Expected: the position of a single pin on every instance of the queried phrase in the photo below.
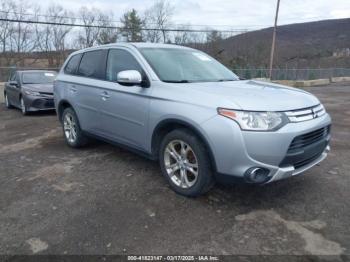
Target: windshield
(38, 77)
(186, 65)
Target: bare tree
(53, 37)
(6, 27)
(106, 35)
(23, 39)
(159, 17)
(89, 35)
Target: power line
(119, 21)
(118, 27)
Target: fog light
(257, 175)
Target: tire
(191, 155)
(7, 102)
(71, 129)
(23, 107)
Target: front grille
(306, 161)
(302, 141)
(306, 148)
(306, 113)
(46, 94)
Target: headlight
(32, 93)
(255, 121)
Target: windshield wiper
(176, 81)
(224, 80)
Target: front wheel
(7, 102)
(71, 129)
(23, 107)
(185, 163)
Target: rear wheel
(7, 102)
(185, 163)
(71, 129)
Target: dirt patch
(315, 243)
(29, 143)
(59, 169)
(36, 245)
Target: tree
(89, 35)
(106, 35)
(53, 37)
(159, 17)
(132, 25)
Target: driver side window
(13, 77)
(120, 60)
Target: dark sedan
(30, 90)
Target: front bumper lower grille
(305, 148)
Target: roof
(133, 45)
(35, 71)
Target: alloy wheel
(181, 164)
(7, 103)
(23, 107)
(70, 128)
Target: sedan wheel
(23, 107)
(70, 128)
(7, 102)
(181, 164)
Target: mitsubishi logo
(314, 114)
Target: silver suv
(182, 107)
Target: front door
(125, 109)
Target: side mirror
(129, 77)
(13, 83)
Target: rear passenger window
(120, 60)
(72, 65)
(93, 64)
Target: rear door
(84, 91)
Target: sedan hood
(256, 95)
(45, 88)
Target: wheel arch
(63, 104)
(168, 125)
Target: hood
(46, 88)
(256, 95)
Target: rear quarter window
(72, 65)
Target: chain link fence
(293, 74)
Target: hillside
(315, 44)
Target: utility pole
(274, 39)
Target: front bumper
(37, 103)
(236, 151)
(285, 172)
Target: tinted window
(93, 64)
(72, 65)
(120, 60)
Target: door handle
(105, 95)
(73, 89)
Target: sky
(225, 14)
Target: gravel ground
(105, 200)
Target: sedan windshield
(177, 65)
(38, 77)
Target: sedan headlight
(32, 93)
(255, 121)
